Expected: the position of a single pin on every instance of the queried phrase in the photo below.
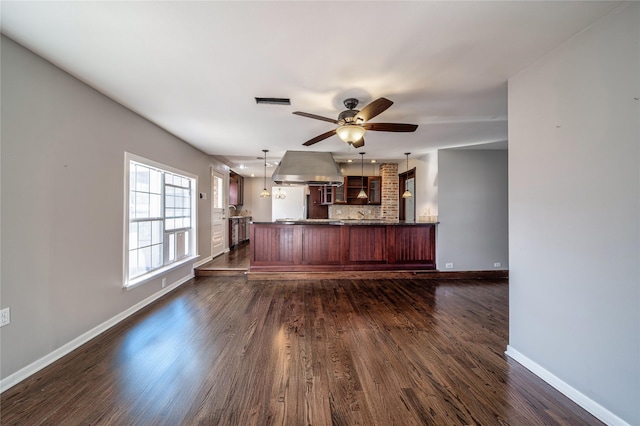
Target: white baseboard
(63, 350)
(569, 391)
(202, 262)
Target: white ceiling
(194, 68)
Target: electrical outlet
(497, 265)
(164, 282)
(448, 265)
(5, 317)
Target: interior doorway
(407, 206)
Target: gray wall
(574, 207)
(472, 210)
(63, 147)
(260, 208)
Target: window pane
(132, 177)
(156, 232)
(132, 205)
(133, 236)
(144, 259)
(155, 183)
(142, 178)
(142, 205)
(155, 205)
(156, 254)
(172, 247)
(217, 192)
(144, 234)
(186, 243)
(133, 263)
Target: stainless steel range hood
(308, 168)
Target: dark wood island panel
(342, 246)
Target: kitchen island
(319, 245)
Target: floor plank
(232, 351)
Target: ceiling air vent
(274, 101)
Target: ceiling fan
(353, 123)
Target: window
(160, 230)
(218, 192)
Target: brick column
(389, 205)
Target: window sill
(157, 273)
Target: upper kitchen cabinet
(371, 184)
(236, 189)
(375, 189)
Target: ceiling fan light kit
(350, 133)
(353, 123)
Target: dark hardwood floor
(229, 351)
(232, 263)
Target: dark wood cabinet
(318, 208)
(348, 193)
(236, 189)
(371, 184)
(339, 196)
(327, 194)
(327, 247)
(375, 189)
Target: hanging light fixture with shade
(265, 193)
(279, 194)
(350, 133)
(407, 193)
(362, 193)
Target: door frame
(218, 215)
(402, 186)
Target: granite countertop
(342, 222)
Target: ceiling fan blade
(373, 109)
(317, 117)
(320, 138)
(390, 127)
(359, 143)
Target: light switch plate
(5, 317)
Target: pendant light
(362, 193)
(407, 193)
(265, 193)
(279, 194)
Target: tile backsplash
(342, 211)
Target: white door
(218, 218)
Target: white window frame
(192, 230)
